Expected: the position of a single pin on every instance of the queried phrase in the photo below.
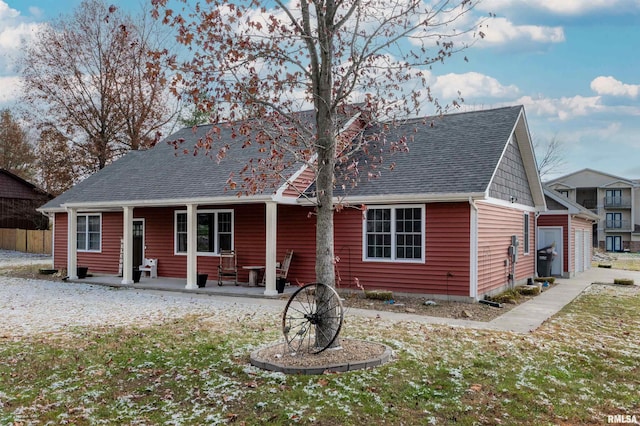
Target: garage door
(579, 250)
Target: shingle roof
(456, 153)
(449, 154)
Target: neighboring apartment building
(615, 199)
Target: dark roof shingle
(455, 153)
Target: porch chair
(282, 269)
(228, 266)
(150, 266)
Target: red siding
(446, 251)
(60, 241)
(105, 261)
(249, 236)
(446, 270)
(297, 232)
(496, 225)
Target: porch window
(89, 232)
(526, 234)
(394, 233)
(214, 231)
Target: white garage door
(579, 248)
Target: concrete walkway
(526, 317)
(523, 318)
(530, 315)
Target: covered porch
(177, 285)
(117, 223)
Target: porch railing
(617, 225)
(617, 202)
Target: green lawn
(579, 367)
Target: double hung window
(89, 232)
(394, 233)
(214, 231)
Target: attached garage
(570, 227)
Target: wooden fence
(27, 241)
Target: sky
(573, 64)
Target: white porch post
(127, 246)
(271, 244)
(192, 246)
(72, 243)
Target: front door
(138, 242)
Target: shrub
(507, 296)
(623, 281)
(550, 280)
(528, 290)
(378, 294)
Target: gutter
(117, 205)
(400, 198)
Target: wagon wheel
(312, 319)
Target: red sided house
(567, 226)
(455, 218)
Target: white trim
(400, 198)
(72, 244)
(393, 208)
(473, 251)
(127, 246)
(515, 206)
(204, 211)
(271, 243)
(87, 214)
(192, 244)
(169, 202)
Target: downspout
(473, 251)
(535, 245)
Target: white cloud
(472, 85)
(612, 87)
(7, 13)
(502, 31)
(561, 7)
(11, 37)
(564, 108)
(36, 12)
(13, 32)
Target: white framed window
(525, 243)
(89, 232)
(214, 231)
(394, 233)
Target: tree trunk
(325, 267)
(326, 149)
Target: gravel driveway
(29, 306)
